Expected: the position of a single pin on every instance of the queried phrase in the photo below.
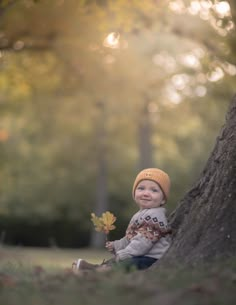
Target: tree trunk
(204, 223)
(145, 144)
(98, 238)
(101, 199)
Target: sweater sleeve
(123, 242)
(144, 233)
(120, 244)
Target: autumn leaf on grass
(105, 223)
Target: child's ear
(163, 202)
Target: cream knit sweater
(148, 234)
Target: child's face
(148, 194)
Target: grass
(48, 258)
(43, 277)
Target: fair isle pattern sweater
(148, 234)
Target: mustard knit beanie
(156, 175)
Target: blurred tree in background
(93, 91)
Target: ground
(43, 277)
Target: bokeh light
(112, 40)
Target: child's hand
(110, 246)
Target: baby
(147, 237)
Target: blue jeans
(137, 262)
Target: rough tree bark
(204, 223)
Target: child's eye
(155, 190)
(140, 188)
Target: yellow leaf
(97, 222)
(104, 223)
(108, 220)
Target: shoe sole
(78, 263)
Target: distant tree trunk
(101, 199)
(204, 222)
(97, 238)
(144, 135)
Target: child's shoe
(82, 264)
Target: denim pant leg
(138, 262)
